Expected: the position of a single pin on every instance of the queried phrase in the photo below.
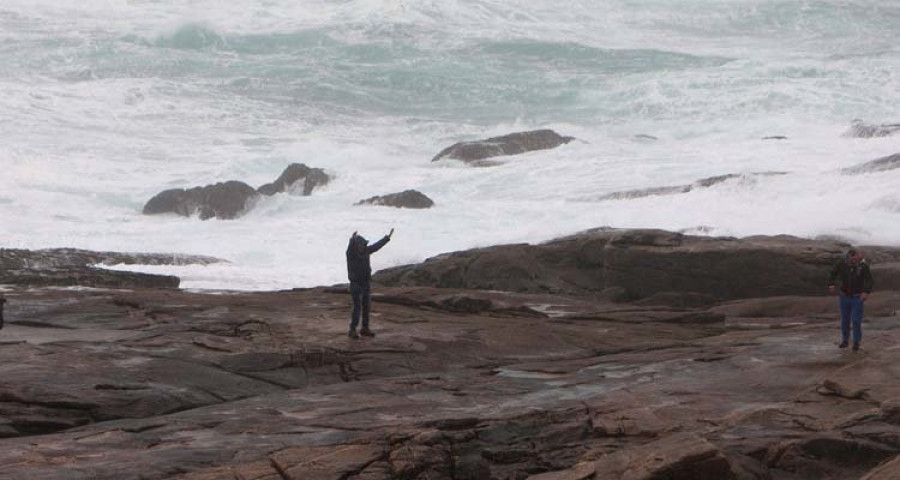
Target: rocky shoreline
(632, 354)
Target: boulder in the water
(225, 201)
(405, 199)
(512, 144)
(297, 177)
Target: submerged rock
(891, 162)
(226, 201)
(676, 189)
(512, 144)
(405, 199)
(643, 137)
(290, 178)
(860, 129)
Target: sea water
(104, 103)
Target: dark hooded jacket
(854, 279)
(359, 270)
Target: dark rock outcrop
(860, 129)
(891, 162)
(65, 267)
(13, 258)
(228, 200)
(294, 173)
(86, 277)
(642, 262)
(512, 144)
(677, 189)
(405, 199)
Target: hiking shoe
(855, 347)
(353, 334)
(843, 345)
(367, 333)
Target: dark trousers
(362, 300)
(851, 312)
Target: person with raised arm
(359, 272)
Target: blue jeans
(851, 311)
(362, 300)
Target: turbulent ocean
(104, 103)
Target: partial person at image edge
(856, 284)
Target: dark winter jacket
(359, 271)
(855, 279)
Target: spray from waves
(108, 105)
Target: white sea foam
(106, 103)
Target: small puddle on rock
(552, 311)
(504, 372)
(623, 371)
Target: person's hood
(358, 241)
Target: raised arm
(377, 245)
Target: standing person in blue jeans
(359, 271)
(856, 284)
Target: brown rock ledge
(458, 384)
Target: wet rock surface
(406, 199)
(458, 384)
(512, 144)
